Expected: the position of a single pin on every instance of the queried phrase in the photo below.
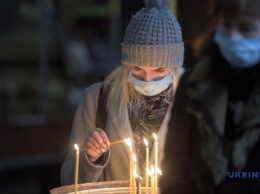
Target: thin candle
(76, 168)
(158, 171)
(111, 143)
(153, 181)
(134, 173)
(152, 184)
(116, 142)
(129, 143)
(147, 166)
(155, 159)
(151, 174)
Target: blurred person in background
(213, 141)
(138, 97)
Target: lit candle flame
(159, 171)
(146, 142)
(134, 158)
(152, 169)
(128, 142)
(76, 147)
(149, 172)
(155, 136)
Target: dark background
(50, 50)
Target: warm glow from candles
(128, 142)
(149, 172)
(159, 171)
(152, 169)
(134, 158)
(155, 136)
(76, 147)
(76, 168)
(146, 142)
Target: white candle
(158, 171)
(155, 159)
(147, 166)
(151, 173)
(76, 168)
(152, 184)
(134, 172)
(129, 143)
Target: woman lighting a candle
(139, 96)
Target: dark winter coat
(214, 131)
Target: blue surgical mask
(239, 53)
(150, 88)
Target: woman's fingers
(97, 143)
(105, 141)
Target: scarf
(147, 120)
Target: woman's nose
(148, 77)
(234, 34)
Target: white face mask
(150, 88)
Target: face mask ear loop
(174, 82)
(173, 76)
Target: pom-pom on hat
(153, 37)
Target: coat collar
(124, 130)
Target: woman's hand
(97, 144)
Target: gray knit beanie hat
(153, 37)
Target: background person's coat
(198, 153)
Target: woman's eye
(136, 68)
(247, 29)
(225, 23)
(160, 70)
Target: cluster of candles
(134, 179)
